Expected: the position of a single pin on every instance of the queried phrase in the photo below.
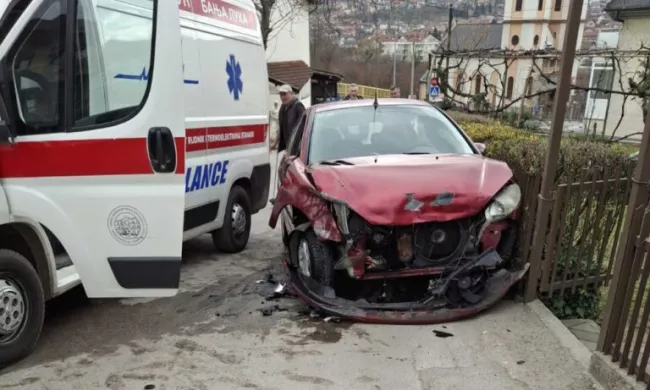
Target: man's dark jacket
(288, 118)
(347, 97)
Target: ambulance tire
(225, 239)
(17, 269)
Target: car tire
(321, 260)
(233, 237)
(19, 281)
(285, 234)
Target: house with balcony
(624, 118)
(407, 46)
(495, 58)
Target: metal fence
(627, 341)
(587, 213)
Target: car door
(293, 149)
(99, 151)
(292, 152)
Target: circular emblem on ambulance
(127, 225)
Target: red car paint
(297, 191)
(376, 187)
(492, 235)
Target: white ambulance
(115, 148)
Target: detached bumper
(411, 313)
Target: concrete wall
(633, 33)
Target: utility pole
(451, 19)
(412, 66)
(553, 151)
(395, 44)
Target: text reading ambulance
(115, 148)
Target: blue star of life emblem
(235, 83)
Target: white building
(405, 48)
(626, 120)
(287, 49)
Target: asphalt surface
(220, 332)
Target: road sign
(434, 91)
(434, 81)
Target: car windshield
(395, 129)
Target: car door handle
(162, 150)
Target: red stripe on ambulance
(84, 157)
(224, 137)
(220, 10)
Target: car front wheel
(314, 258)
(22, 307)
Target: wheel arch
(29, 242)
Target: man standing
(290, 112)
(353, 93)
(395, 92)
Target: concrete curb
(563, 334)
(609, 375)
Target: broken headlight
(342, 215)
(504, 204)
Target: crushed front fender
(406, 313)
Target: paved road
(213, 336)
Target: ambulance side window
(38, 68)
(113, 60)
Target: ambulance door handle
(162, 150)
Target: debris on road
(441, 334)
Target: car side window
(296, 137)
(38, 71)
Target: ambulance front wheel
(22, 307)
(236, 230)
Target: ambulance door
(95, 93)
(197, 198)
(5, 138)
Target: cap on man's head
(284, 89)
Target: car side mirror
(480, 146)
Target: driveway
(220, 333)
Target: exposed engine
(421, 245)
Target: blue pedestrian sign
(434, 91)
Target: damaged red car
(391, 214)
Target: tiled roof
(293, 73)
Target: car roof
(367, 103)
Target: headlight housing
(504, 204)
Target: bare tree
(275, 14)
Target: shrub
(526, 151)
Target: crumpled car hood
(376, 188)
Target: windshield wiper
(335, 162)
(417, 153)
